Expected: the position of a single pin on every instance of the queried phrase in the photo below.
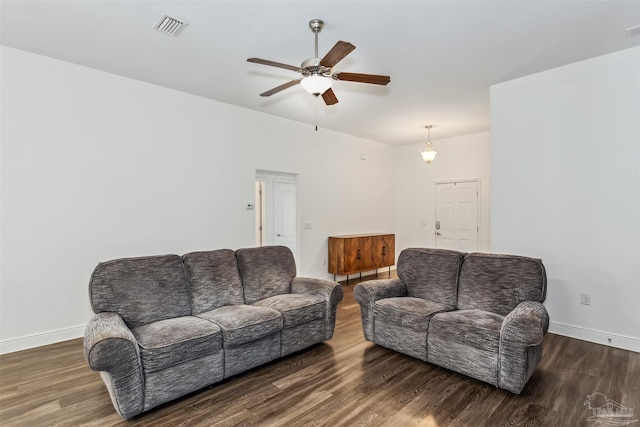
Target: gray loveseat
(477, 314)
(168, 325)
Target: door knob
(279, 235)
(438, 233)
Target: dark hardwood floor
(346, 381)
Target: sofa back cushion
(214, 280)
(498, 283)
(141, 290)
(431, 274)
(266, 271)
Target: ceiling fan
(317, 74)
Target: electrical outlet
(324, 261)
(585, 299)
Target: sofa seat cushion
(296, 309)
(409, 312)
(241, 324)
(168, 342)
(472, 328)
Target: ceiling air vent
(169, 25)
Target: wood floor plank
(346, 381)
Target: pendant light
(428, 154)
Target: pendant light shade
(315, 84)
(428, 154)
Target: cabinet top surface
(348, 236)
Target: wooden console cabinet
(356, 253)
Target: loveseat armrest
(110, 347)
(520, 349)
(529, 320)
(328, 290)
(367, 293)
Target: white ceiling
(442, 56)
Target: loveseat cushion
(498, 283)
(473, 328)
(466, 341)
(241, 324)
(409, 312)
(141, 290)
(295, 309)
(171, 341)
(213, 279)
(266, 271)
(431, 274)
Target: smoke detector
(169, 25)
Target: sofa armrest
(367, 293)
(110, 347)
(520, 349)
(527, 323)
(328, 290)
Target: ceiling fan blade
(329, 97)
(363, 78)
(337, 54)
(281, 87)
(273, 64)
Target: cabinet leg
(389, 272)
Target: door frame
(272, 176)
(478, 208)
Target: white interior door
(277, 213)
(457, 216)
(285, 214)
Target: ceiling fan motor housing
(312, 66)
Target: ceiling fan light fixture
(315, 84)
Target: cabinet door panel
(336, 255)
(383, 250)
(351, 254)
(389, 250)
(365, 261)
(377, 245)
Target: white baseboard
(598, 337)
(44, 338)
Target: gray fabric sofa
(165, 326)
(477, 314)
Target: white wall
(565, 159)
(460, 158)
(95, 166)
